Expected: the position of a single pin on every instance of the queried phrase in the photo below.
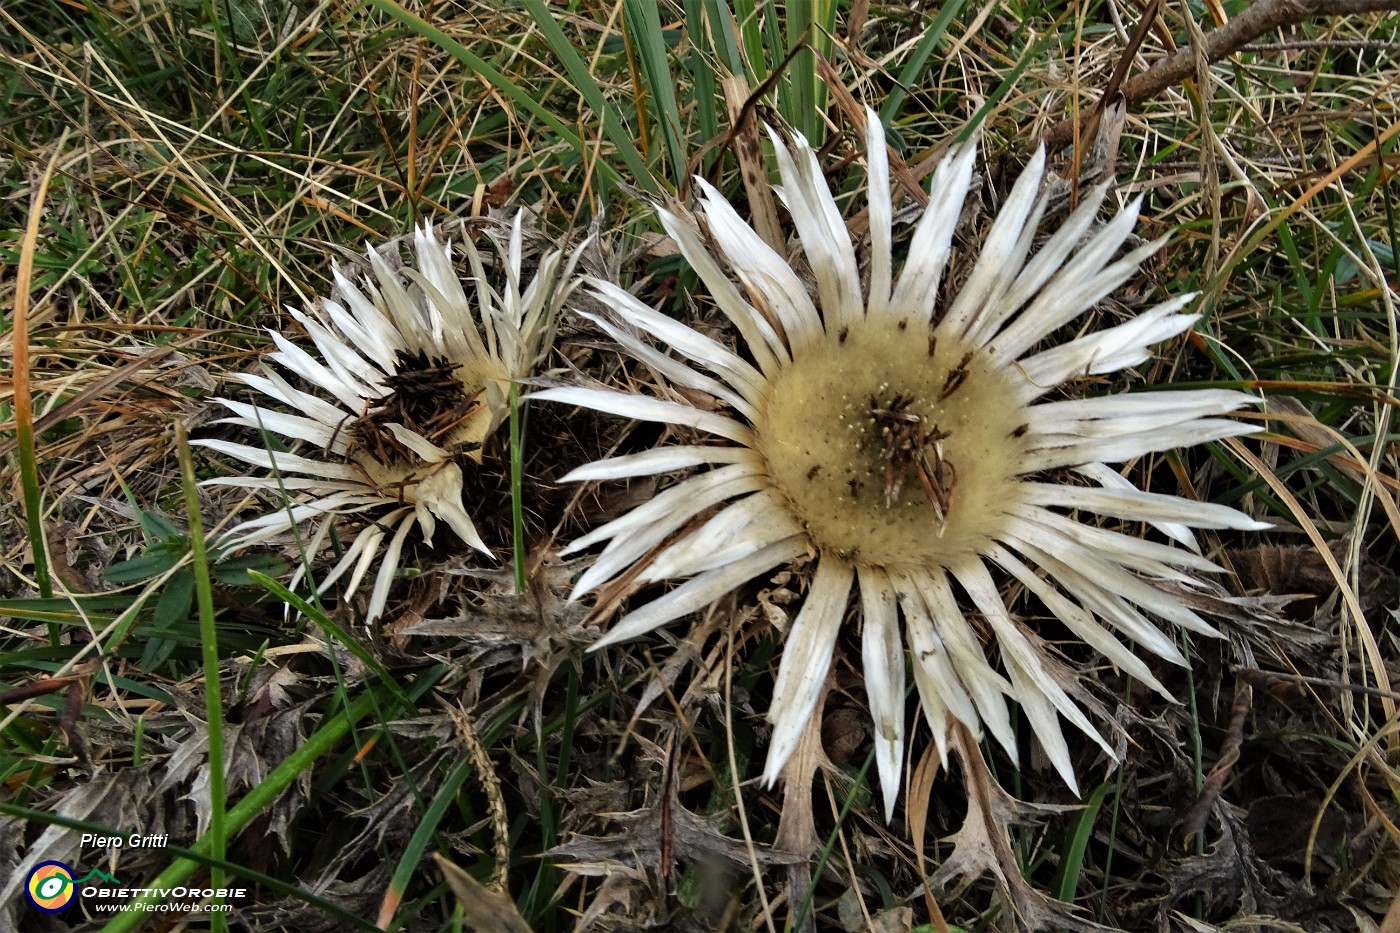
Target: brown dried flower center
(430, 397)
(427, 397)
(894, 450)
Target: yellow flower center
(894, 447)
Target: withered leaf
(1302, 572)
(484, 909)
(982, 846)
(639, 843)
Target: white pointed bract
(908, 446)
(411, 375)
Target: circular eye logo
(50, 887)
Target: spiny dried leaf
(627, 895)
(485, 910)
(1226, 876)
(271, 688)
(359, 895)
(982, 846)
(251, 750)
(639, 841)
(711, 674)
(596, 797)
(519, 623)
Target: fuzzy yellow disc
(894, 446)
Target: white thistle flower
(908, 447)
(411, 374)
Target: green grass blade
(699, 62)
(808, 22)
(857, 786)
(1072, 858)
(751, 36)
(1033, 54)
(914, 66)
(521, 97)
(23, 402)
(423, 835)
(643, 21)
(577, 69)
(720, 37)
(213, 693)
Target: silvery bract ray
(911, 448)
(410, 375)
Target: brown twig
(1262, 17)
(745, 114)
(854, 112)
(1195, 821)
(1272, 681)
(1088, 124)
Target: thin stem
(23, 401)
(517, 473)
(213, 693)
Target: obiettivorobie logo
(51, 886)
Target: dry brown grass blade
(1363, 156)
(1088, 125)
(1349, 597)
(854, 112)
(1336, 460)
(1320, 436)
(484, 910)
(1278, 685)
(47, 685)
(19, 338)
(920, 793)
(743, 105)
(1368, 750)
(1374, 808)
(853, 893)
(123, 107)
(96, 643)
(88, 393)
(748, 149)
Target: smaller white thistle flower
(908, 447)
(417, 371)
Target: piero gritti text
(133, 841)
